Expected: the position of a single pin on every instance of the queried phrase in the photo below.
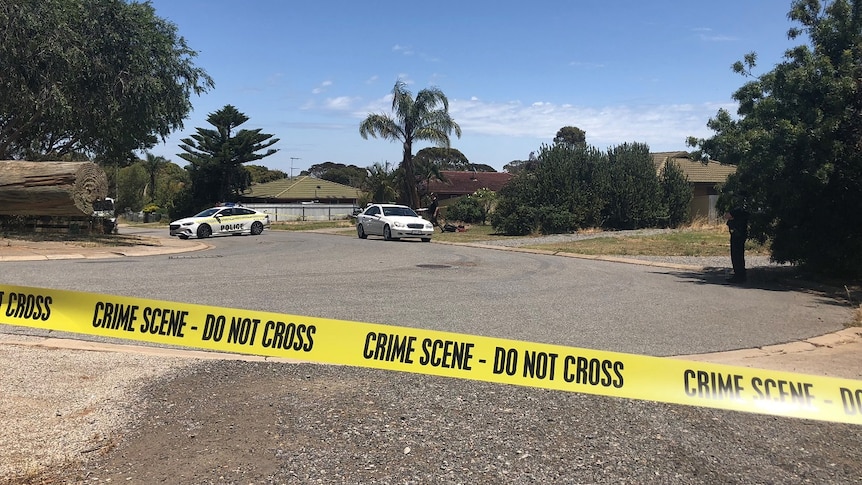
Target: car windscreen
(103, 205)
(207, 213)
(399, 211)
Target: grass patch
(472, 233)
(313, 225)
(694, 241)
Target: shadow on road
(785, 278)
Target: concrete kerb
(167, 246)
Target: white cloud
(705, 34)
(340, 103)
(586, 65)
(405, 50)
(322, 87)
(664, 127)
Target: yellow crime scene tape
(437, 353)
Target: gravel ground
(122, 417)
(247, 423)
(62, 406)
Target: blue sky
(514, 72)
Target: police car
(220, 221)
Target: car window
(372, 211)
(225, 213)
(399, 211)
(207, 213)
(241, 211)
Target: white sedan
(220, 221)
(393, 222)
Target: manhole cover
(433, 266)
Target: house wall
(292, 212)
(703, 203)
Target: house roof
(464, 183)
(301, 188)
(695, 170)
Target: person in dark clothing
(737, 223)
(433, 211)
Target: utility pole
(291, 165)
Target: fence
(304, 211)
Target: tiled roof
(464, 183)
(695, 170)
(301, 188)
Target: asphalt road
(245, 422)
(515, 295)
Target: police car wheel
(204, 231)
(360, 231)
(256, 228)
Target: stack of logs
(50, 190)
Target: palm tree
(426, 171)
(424, 118)
(380, 182)
(152, 165)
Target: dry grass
(313, 225)
(696, 240)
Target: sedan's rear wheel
(360, 231)
(204, 231)
(256, 228)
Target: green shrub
(466, 209)
(553, 220)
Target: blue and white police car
(220, 221)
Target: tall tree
(216, 156)
(677, 194)
(515, 166)
(261, 175)
(797, 142)
(443, 158)
(338, 172)
(424, 118)
(153, 164)
(571, 135)
(93, 78)
(636, 198)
